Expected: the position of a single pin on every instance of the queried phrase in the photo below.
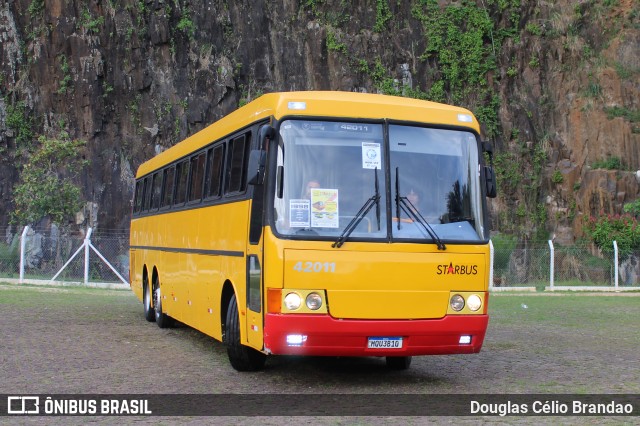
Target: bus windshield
(334, 181)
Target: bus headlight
(292, 301)
(474, 302)
(457, 302)
(314, 301)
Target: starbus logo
(452, 269)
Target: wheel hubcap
(157, 301)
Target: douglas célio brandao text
(575, 407)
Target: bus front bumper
(322, 335)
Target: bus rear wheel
(149, 312)
(241, 357)
(398, 362)
(163, 320)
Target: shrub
(611, 163)
(9, 255)
(633, 208)
(623, 229)
(557, 177)
(503, 246)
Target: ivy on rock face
(463, 42)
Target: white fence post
(23, 246)
(490, 264)
(87, 241)
(551, 264)
(86, 245)
(615, 266)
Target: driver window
(325, 177)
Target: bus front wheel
(241, 357)
(398, 362)
(149, 312)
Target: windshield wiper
(368, 205)
(398, 195)
(403, 204)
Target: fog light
(292, 301)
(474, 302)
(465, 340)
(314, 301)
(296, 339)
(457, 302)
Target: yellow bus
(320, 223)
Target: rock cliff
(555, 84)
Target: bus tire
(163, 320)
(149, 312)
(241, 357)
(398, 362)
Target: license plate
(384, 343)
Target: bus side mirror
(255, 171)
(489, 172)
(490, 182)
(258, 157)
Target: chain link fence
(103, 257)
(546, 265)
(53, 255)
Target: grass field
(614, 315)
(73, 340)
(617, 313)
(609, 312)
(98, 340)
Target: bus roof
(328, 104)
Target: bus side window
(167, 192)
(214, 180)
(182, 171)
(156, 190)
(147, 194)
(137, 203)
(238, 148)
(197, 176)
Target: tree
(46, 186)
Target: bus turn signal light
(274, 300)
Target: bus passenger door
(255, 260)
(254, 301)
